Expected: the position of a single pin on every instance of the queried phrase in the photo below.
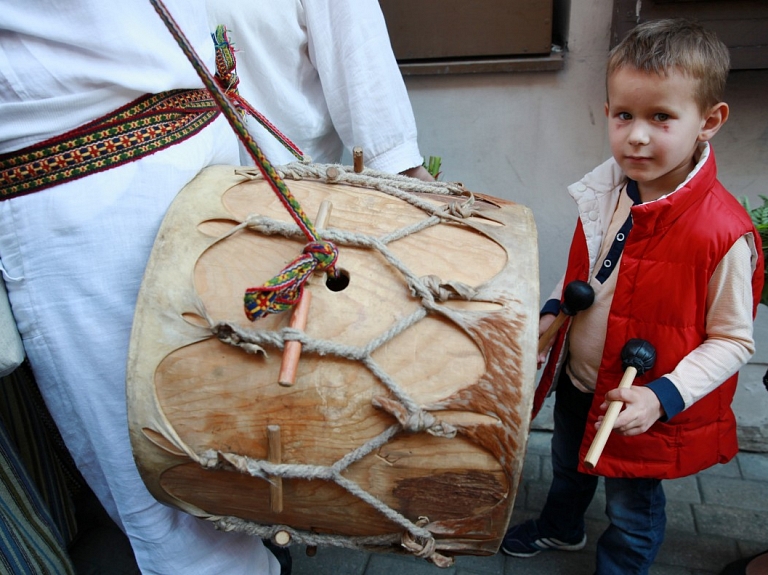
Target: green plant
(760, 219)
(433, 166)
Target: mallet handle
(601, 437)
(551, 331)
(292, 349)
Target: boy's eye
(624, 116)
(661, 117)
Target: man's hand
(420, 173)
(641, 410)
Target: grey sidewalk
(713, 518)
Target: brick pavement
(713, 518)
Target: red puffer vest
(669, 257)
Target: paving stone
(683, 489)
(734, 493)
(736, 523)
(536, 496)
(552, 563)
(545, 421)
(730, 469)
(521, 496)
(490, 565)
(601, 485)
(750, 548)
(754, 466)
(657, 569)
(680, 516)
(329, 561)
(691, 551)
(713, 518)
(595, 528)
(539, 443)
(546, 469)
(531, 468)
(391, 564)
(470, 571)
(596, 509)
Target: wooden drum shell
(470, 364)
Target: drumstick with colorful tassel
(292, 349)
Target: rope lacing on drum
(410, 416)
(284, 290)
(287, 286)
(401, 406)
(429, 289)
(417, 538)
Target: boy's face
(654, 126)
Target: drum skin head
(205, 416)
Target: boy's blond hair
(663, 45)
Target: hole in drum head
(338, 283)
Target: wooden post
(282, 538)
(292, 349)
(275, 455)
(357, 159)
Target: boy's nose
(638, 135)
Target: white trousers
(73, 257)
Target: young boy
(674, 260)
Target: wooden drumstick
(637, 357)
(357, 159)
(578, 296)
(292, 349)
(275, 455)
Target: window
(458, 36)
(742, 25)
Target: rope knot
(463, 210)
(424, 547)
(324, 253)
(415, 420)
(284, 290)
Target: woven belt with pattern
(146, 125)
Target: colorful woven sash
(146, 125)
(286, 288)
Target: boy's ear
(713, 121)
(607, 109)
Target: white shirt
(72, 256)
(65, 63)
(323, 72)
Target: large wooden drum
(406, 426)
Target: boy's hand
(545, 321)
(641, 410)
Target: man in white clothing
(324, 73)
(73, 250)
